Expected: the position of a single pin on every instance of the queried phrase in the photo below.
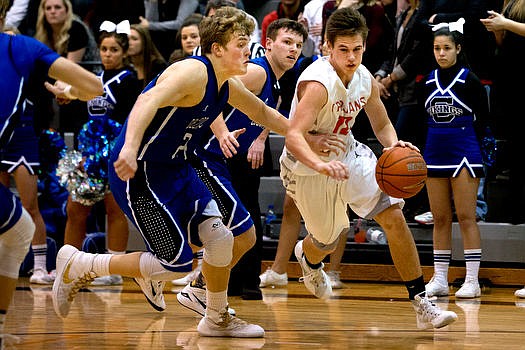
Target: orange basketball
(401, 172)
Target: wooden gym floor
(360, 316)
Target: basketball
(401, 172)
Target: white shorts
(322, 200)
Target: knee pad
(14, 245)
(151, 268)
(217, 241)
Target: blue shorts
(213, 171)
(10, 209)
(21, 150)
(166, 202)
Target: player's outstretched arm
(83, 84)
(173, 88)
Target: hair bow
(121, 28)
(453, 26)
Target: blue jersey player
(161, 193)
(19, 56)
(284, 44)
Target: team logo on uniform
(442, 109)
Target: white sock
(40, 255)
(114, 252)
(216, 302)
(441, 263)
(101, 264)
(472, 262)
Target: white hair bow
(453, 26)
(121, 28)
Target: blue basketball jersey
(235, 119)
(175, 132)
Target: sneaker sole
(189, 304)
(153, 305)
(66, 253)
(446, 321)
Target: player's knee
(14, 245)
(217, 241)
(326, 248)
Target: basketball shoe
(435, 288)
(520, 293)
(335, 279)
(74, 272)
(193, 297)
(272, 278)
(222, 324)
(41, 276)
(153, 292)
(315, 280)
(428, 315)
(425, 218)
(189, 277)
(469, 289)
(110, 280)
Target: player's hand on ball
(401, 143)
(335, 169)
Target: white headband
(121, 28)
(453, 26)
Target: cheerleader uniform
(455, 99)
(106, 113)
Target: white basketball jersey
(338, 115)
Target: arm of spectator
(186, 8)
(16, 13)
(497, 23)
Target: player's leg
(117, 232)
(334, 273)
(14, 245)
(290, 228)
(440, 199)
(77, 215)
(464, 188)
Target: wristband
(67, 93)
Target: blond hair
(220, 27)
(514, 10)
(44, 32)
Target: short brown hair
(345, 22)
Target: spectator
(188, 38)
(164, 18)
(508, 28)
(144, 55)
(409, 57)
